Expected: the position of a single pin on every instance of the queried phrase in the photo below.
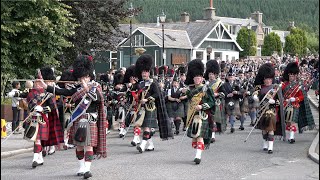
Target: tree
(296, 42)
(247, 40)
(271, 43)
(99, 26)
(33, 33)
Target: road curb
(15, 152)
(312, 150)
(313, 102)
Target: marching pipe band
(204, 100)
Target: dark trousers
(16, 117)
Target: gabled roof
(196, 30)
(172, 38)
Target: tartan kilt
(205, 131)
(56, 135)
(93, 133)
(315, 85)
(150, 119)
(220, 118)
(185, 108)
(244, 105)
(172, 112)
(43, 131)
(236, 109)
(267, 123)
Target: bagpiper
(215, 83)
(88, 121)
(151, 105)
(268, 114)
(201, 105)
(296, 104)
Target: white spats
(150, 146)
(52, 150)
(82, 168)
(35, 157)
(87, 166)
(142, 146)
(136, 139)
(270, 143)
(198, 153)
(40, 158)
(265, 144)
(213, 135)
(291, 135)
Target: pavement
(15, 144)
(313, 152)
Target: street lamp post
(131, 16)
(163, 20)
(249, 30)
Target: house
(213, 37)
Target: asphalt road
(228, 158)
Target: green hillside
(276, 13)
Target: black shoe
(133, 143)
(51, 153)
(241, 128)
(270, 151)
(121, 135)
(197, 160)
(44, 153)
(213, 140)
(139, 149)
(184, 128)
(80, 174)
(87, 175)
(292, 141)
(150, 149)
(251, 124)
(35, 164)
(232, 130)
(265, 149)
(177, 132)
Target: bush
(5, 101)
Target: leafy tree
(33, 33)
(99, 26)
(247, 40)
(271, 43)
(296, 42)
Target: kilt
(244, 105)
(56, 135)
(315, 85)
(185, 108)
(92, 137)
(150, 119)
(235, 111)
(43, 131)
(220, 118)
(205, 131)
(268, 123)
(175, 109)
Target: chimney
(158, 21)
(210, 12)
(257, 16)
(185, 17)
(291, 25)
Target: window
(138, 40)
(199, 55)
(113, 57)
